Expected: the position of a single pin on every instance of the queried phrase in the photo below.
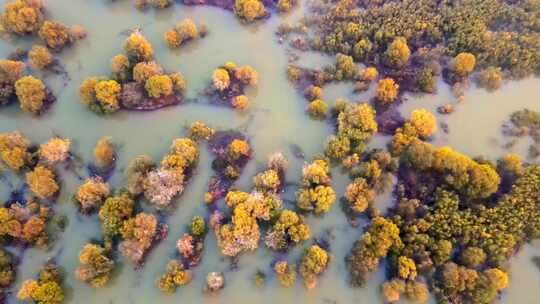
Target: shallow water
(275, 120)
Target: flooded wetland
(269, 151)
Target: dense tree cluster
(7, 268)
(229, 83)
(263, 204)
(27, 17)
(314, 262)
(137, 82)
(525, 123)
(396, 36)
(96, 265)
(31, 93)
(454, 225)
(182, 32)
(356, 124)
(232, 153)
(189, 248)
(47, 289)
(316, 193)
(25, 223)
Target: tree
(107, 93)
(249, 10)
(138, 48)
(55, 34)
(143, 71)
(357, 122)
(22, 17)
(317, 109)
(491, 78)
(359, 195)
(423, 122)
(398, 53)
(387, 91)
(42, 182)
(39, 57)
(159, 86)
(183, 31)
(31, 94)
(221, 79)
(463, 64)
(54, 151)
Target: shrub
(136, 172)
(197, 226)
(42, 182)
(473, 257)
(387, 91)
(78, 32)
(175, 276)
(313, 92)
(161, 3)
(284, 5)
(31, 94)
(285, 273)
(361, 49)
(39, 57)
(55, 34)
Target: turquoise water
(275, 120)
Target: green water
(275, 120)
